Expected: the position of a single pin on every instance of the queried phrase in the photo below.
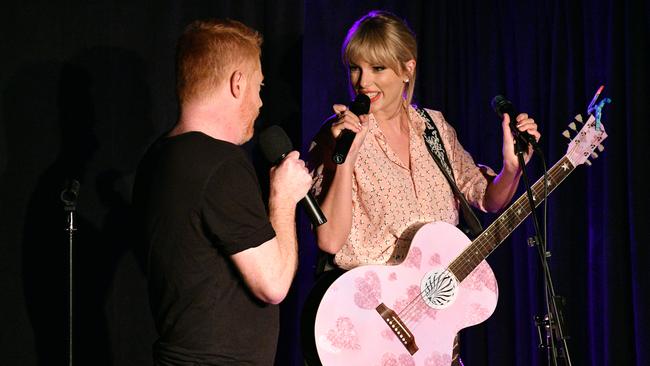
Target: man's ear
(237, 83)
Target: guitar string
(563, 168)
(509, 221)
(409, 309)
(412, 311)
(512, 215)
(562, 173)
(499, 225)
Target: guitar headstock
(586, 141)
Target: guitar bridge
(398, 327)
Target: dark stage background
(86, 86)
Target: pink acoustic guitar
(409, 314)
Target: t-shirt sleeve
(233, 211)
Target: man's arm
(269, 268)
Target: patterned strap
(455, 354)
(436, 148)
(439, 155)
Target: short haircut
(208, 50)
(381, 38)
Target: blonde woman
(389, 181)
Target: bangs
(372, 48)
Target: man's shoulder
(201, 140)
(194, 154)
(199, 147)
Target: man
(217, 263)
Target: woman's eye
(378, 68)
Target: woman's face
(381, 84)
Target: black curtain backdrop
(86, 86)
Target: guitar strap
(470, 225)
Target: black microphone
(361, 105)
(503, 106)
(276, 145)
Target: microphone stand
(69, 198)
(553, 321)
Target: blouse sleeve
(471, 179)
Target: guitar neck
(499, 230)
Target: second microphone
(276, 145)
(360, 106)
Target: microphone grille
(361, 105)
(498, 103)
(275, 143)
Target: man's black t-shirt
(199, 201)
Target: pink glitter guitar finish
(408, 314)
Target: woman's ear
(409, 67)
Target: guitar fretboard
(499, 230)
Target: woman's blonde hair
(382, 38)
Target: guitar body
(349, 330)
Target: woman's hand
(524, 124)
(347, 120)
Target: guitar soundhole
(439, 289)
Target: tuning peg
(601, 148)
(588, 162)
(578, 118)
(594, 155)
(572, 126)
(566, 134)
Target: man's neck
(212, 119)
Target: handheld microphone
(276, 145)
(503, 106)
(361, 105)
